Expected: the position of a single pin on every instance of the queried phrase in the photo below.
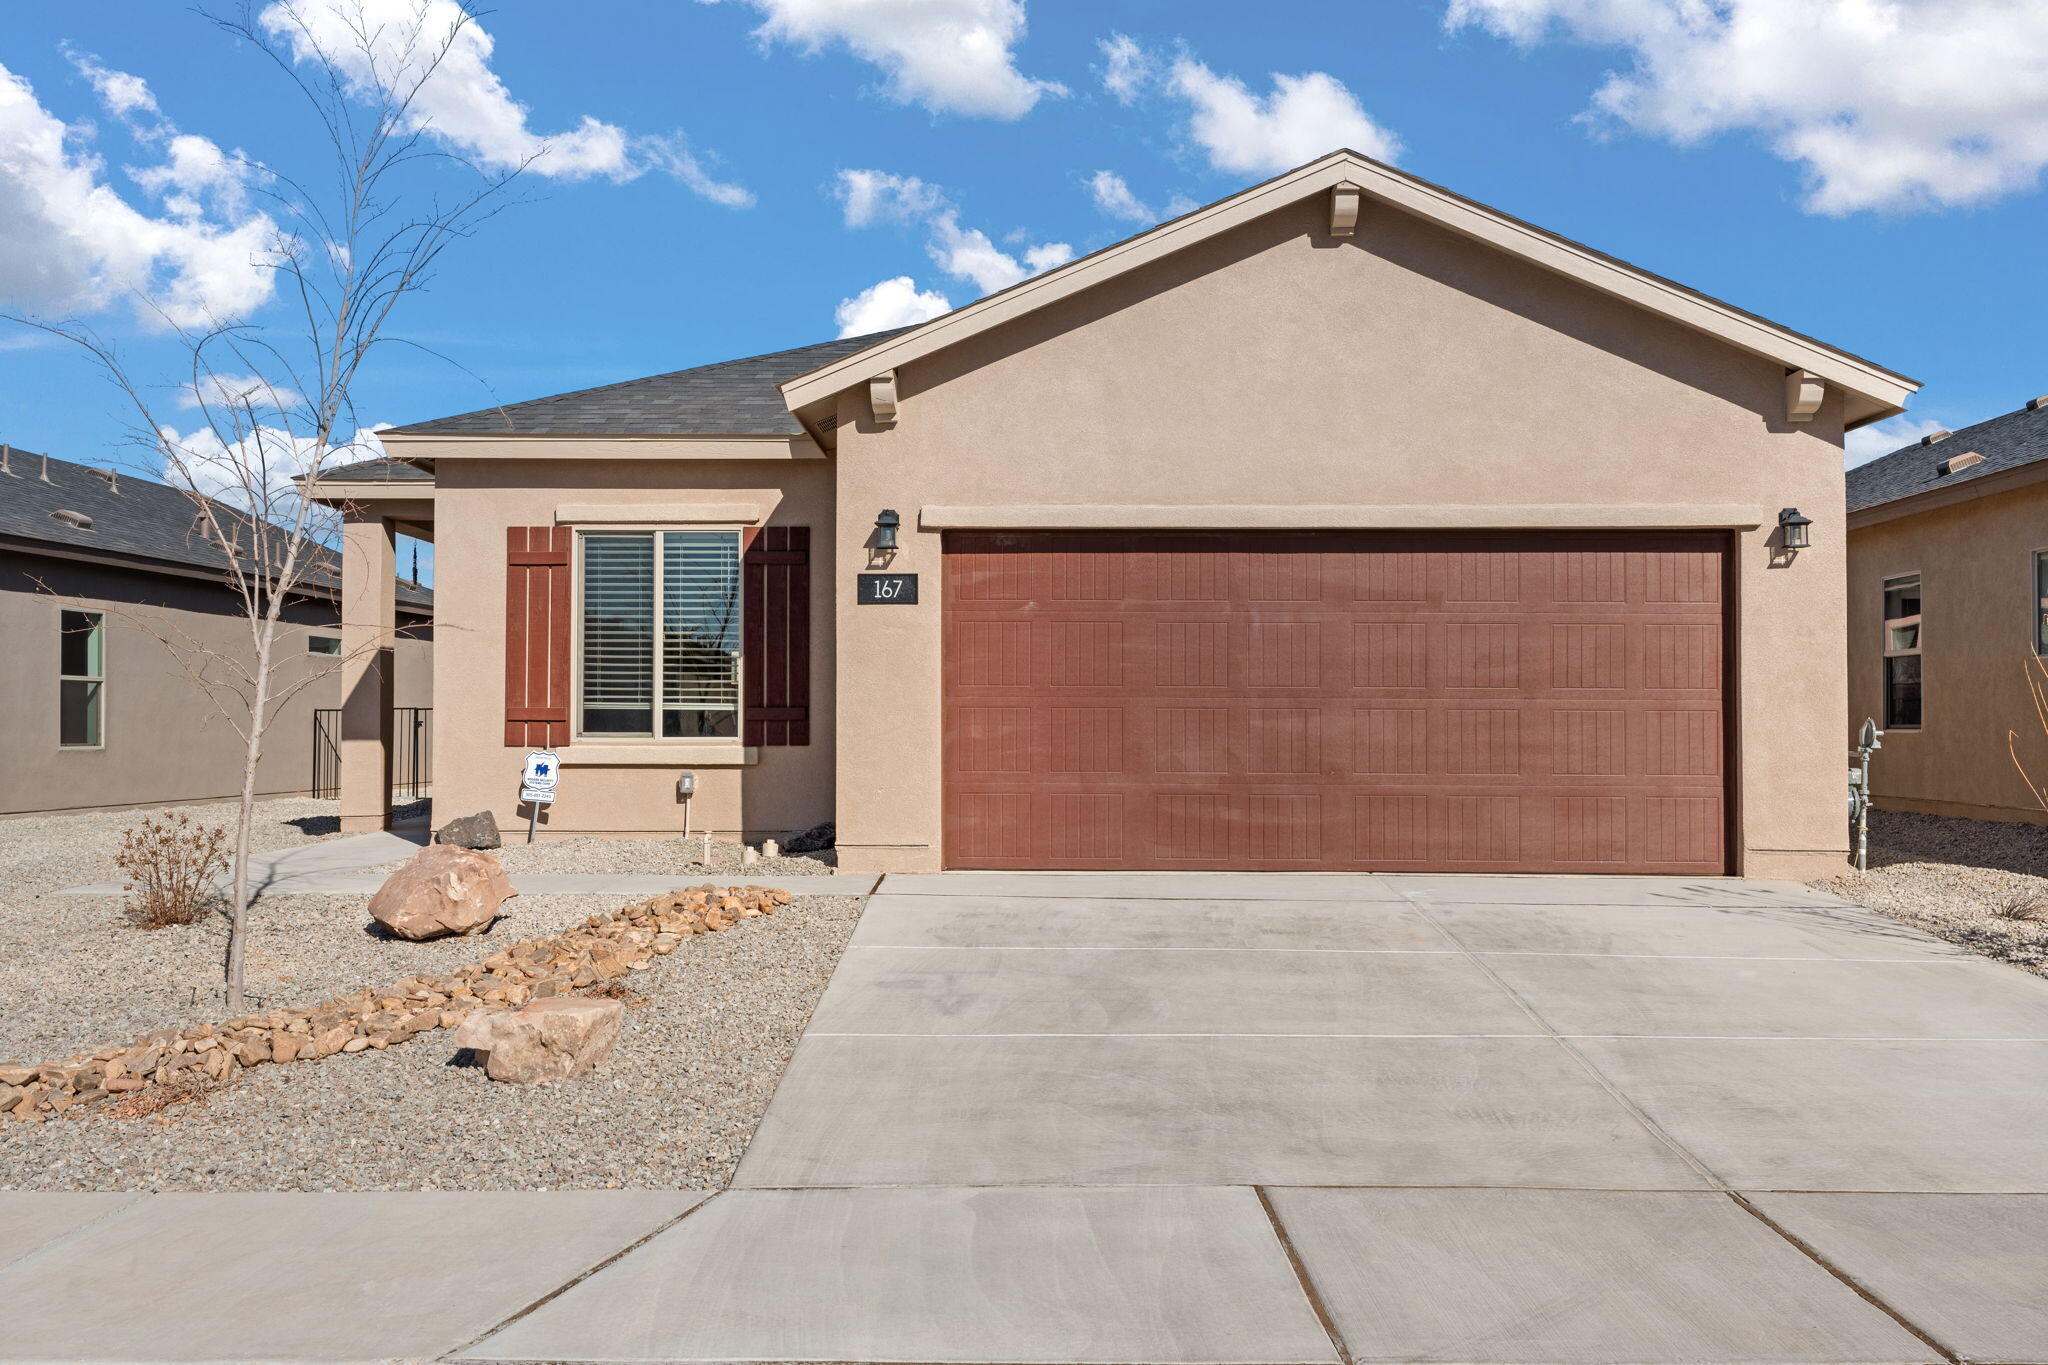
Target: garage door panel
(1467, 702)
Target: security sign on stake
(537, 782)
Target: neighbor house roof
(127, 519)
(729, 398)
(2006, 442)
(1873, 392)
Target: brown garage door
(1485, 702)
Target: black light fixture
(885, 529)
(1794, 527)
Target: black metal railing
(412, 752)
(327, 753)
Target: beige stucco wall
(1403, 366)
(163, 742)
(786, 788)
(1975, 561)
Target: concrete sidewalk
(1060, 1119)
(333, 867)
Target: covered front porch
(378, 501)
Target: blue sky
(720, 179)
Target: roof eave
(1874, 392)
(1949, 495)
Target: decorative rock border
(598, 950)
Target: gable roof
(1873, 391)
(729, 398)
(2009, 441)
(134, 520)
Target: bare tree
(276, 399)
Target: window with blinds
(660, 630)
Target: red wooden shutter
(778, 635)
(537, 636)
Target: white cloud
(1127, 69)
(1881, 438)
(1114, 198)
(125, 96)
(1303, 118)
(891, 303)
(1884, 104)
(463, 102)
(968, 254)
(239, 390)
(950, 56)
(255, 472)
(1048, 256)
(872, 197)
(68, 242)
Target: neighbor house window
(2041, 602)
(323, 644)
(660, 634)
(80, 678)
(1902, 651)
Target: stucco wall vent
(71, 518)
(1962, 461)
(1931, 437)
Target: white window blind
(660, 618)
(700, 633)
(618, 634)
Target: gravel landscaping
(1979, 883)
(44, 853)
(707, 1033)
(707, 1030)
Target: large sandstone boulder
(471, 831)
(551, 1039)
(442, 890)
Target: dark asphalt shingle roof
(377, 471)
(132, 517)
(2005, 442)
(730, 398)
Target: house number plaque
(886, 589)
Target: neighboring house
(1948, 616)
(1344, 523)
(98, 713)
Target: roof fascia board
(523, 446)
(1931, 499)
(1883, 389)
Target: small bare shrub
(170, 864)
(2027, 907)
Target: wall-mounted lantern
(886, 523)
(1794, 526)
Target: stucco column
(369, 618)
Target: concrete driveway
(1224, 1119)
(1087, 1117)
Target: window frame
(577, 734)
(314, 643)
(2038, 623)
(1885, 626)
(98, 681)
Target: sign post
(537, 786)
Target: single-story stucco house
(1344, 523)
(97, 569)
(1948, 616)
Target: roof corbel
(882, 398)
(1803, 392)
(1345, 201)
